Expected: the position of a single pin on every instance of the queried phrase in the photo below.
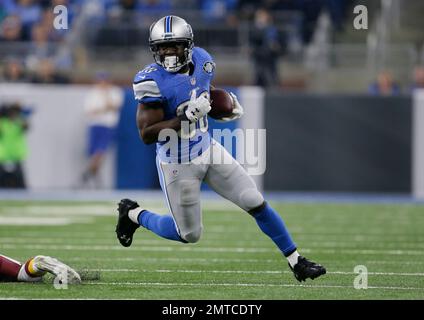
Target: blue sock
(273, 226)
(163, 226)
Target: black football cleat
(125, 227)
(305, 269)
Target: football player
(35, 268)
(172, 93)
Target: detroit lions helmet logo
(209, 67)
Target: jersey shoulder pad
(145, 85)
(149, 72)
(203, 58)
(202, 54)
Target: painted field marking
(42, 221)
(232, 260)
(419, 274)
(248, 243)
(264, 285)
(209, 249)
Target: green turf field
(233, 260)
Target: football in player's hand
(221, 103)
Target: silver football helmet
(171, 29)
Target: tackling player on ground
(173, 93)
(35, 268)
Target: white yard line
(248, 243)
(262, 285)
(95, 210)
(42, 221)
(215, 233)
(150, 248)
(193, 248)
(114, 270)
(394, 262)
(143, 259)
(106, 209)
(419, 274)
(26, 298)
(179, 260)
(101, 240)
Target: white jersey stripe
(147, 88)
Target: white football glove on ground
(197, 107)
(237, 109)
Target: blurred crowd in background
(304, 46)
(275, 37)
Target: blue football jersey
(174, 90)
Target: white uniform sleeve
(146, 89)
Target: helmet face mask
(171, 32)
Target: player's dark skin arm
(150, 122)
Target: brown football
(221, 103)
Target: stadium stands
(319, 45)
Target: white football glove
(237, 109)
(197, 107)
